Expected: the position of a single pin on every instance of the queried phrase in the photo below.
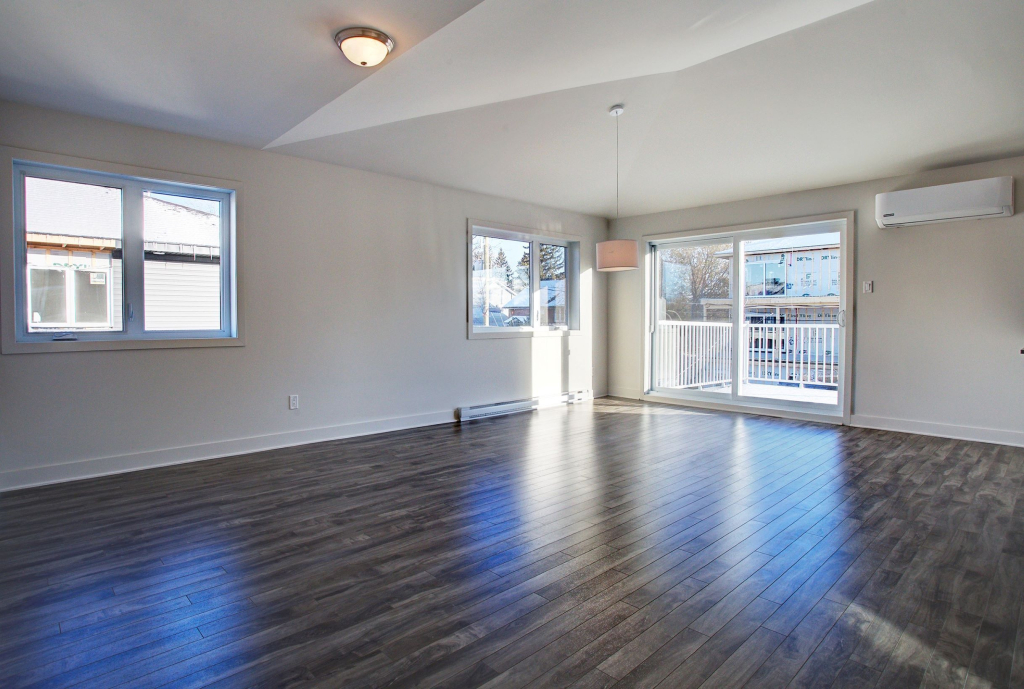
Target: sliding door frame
(733, 402)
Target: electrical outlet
(293, 401)
(869, 286)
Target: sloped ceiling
(243, 71)
(724, 99)
(502, 51)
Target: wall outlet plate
(869, 286)
(293, 401)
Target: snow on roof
(176, 224)
(74, 210)
(87, 210)
(556, 295)
(482, 282)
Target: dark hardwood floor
(606, 544)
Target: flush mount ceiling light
(364, 47)
(617, 254)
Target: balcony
(791, 362)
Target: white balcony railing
(802, 354)
(692, 354)
(698, 355)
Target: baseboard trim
(16, 479)
(881, 423)
(626, 393)
(709, 405)
(941, 430)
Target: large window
(100, 256)
(520, 283)
(751, 316)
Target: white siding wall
(182, 296)
(116, 294)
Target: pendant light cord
(616, 168)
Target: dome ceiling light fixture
(364, 47)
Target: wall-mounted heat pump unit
(983, 198)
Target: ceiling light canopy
(364, 47)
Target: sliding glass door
(693, 339)
(753, 318)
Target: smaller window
(520, 284)
(49, 295)
(775, 279)
(755, 279)
(553, 305)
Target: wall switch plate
(293, 401)
(869, 286)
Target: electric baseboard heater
(485, 411)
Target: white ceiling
(505, 50)
(726, 99)
(243, 71)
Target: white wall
(937, 345)
(353, 290)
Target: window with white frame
(100, 256)
(765, 278)
(521, 283)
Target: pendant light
(617, 254)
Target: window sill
(51, 347)
(505, 333)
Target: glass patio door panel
(790, 332)
(693, 320)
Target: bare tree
(692, 274)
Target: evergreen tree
(523, 270)
(502, 269)
(552, 262)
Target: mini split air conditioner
(983, 198)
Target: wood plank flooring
(606, 544)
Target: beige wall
(353, 289)
(937, 345)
